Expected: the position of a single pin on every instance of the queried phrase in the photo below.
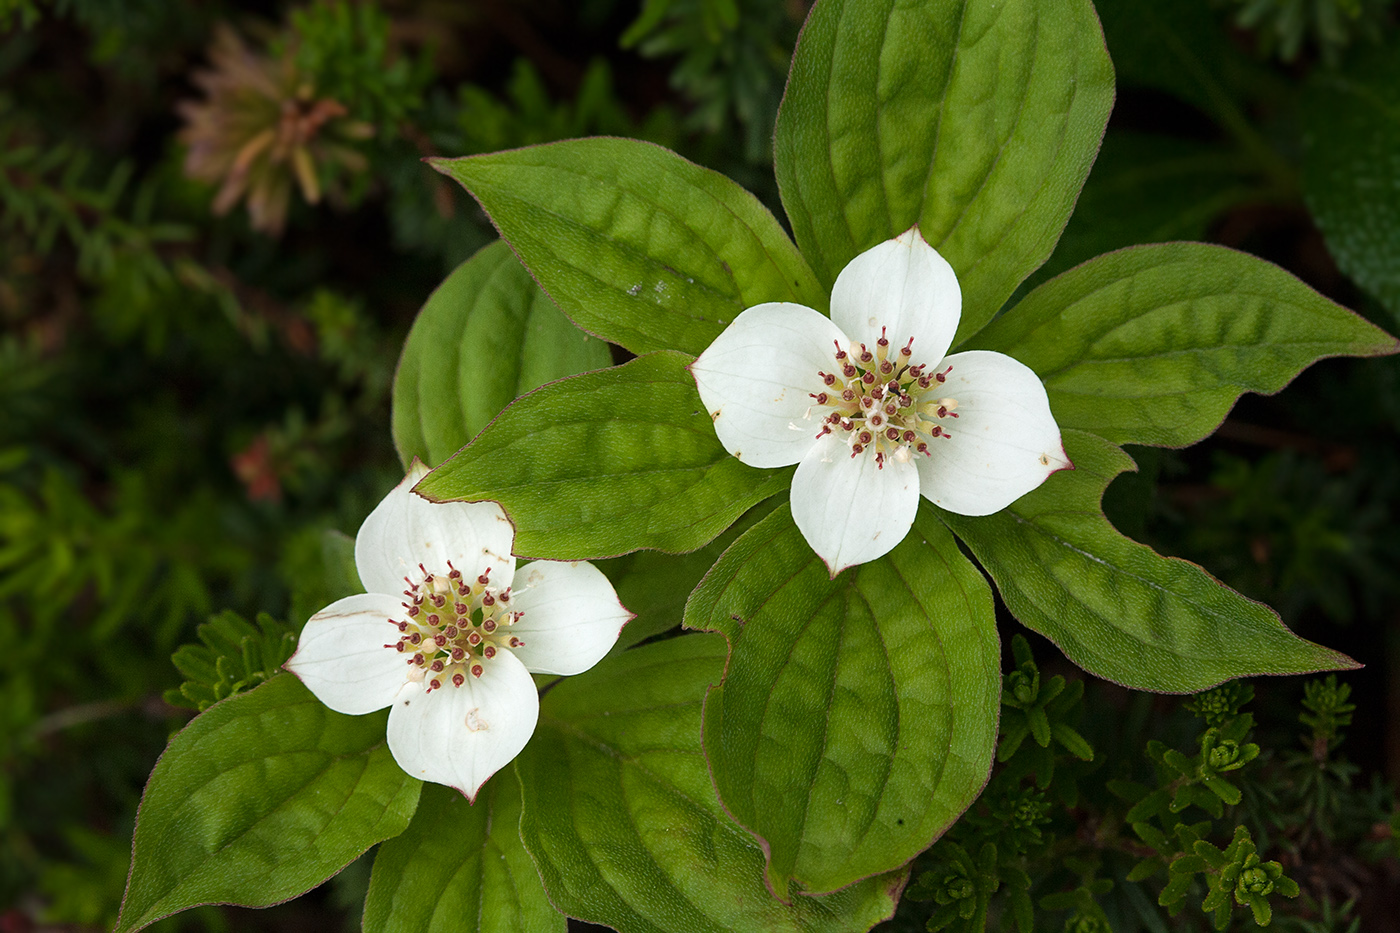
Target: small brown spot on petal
(475, 723)
(1044, 460)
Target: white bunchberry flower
(447, 635)
(870, 408)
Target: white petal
(1004, 443)
(757, 378)
(850, 511)
(572, 616)
(405, 530)
(460, 736)
(341, 655)
(904, 286)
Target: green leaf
(607, 462)
(858, 715)
(261, 798)
(1115, 607)
(977, 119)
(655, 586)
(460, 868)
(1153, 345)
(485, 336)
(633, 242)
(622, 819)
(1351, 138)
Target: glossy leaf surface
(460, 868)
(857, 717)
(622, 819)
(485, 336)
(262, 797)
(606, 463)
(1115, 607)
(634, 243)
(1153, 345)
(977, 119)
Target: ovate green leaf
(977, 119)
(1115, 607)
(460, 868)
(858, 715)
(635, 243)
(607, 462)
(1153, 345)
(1351, 167)
(486, 335)
(260, 798)
(622, 819)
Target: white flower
(444, 638)
(872, 411)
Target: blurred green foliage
(194, 409)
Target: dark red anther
(943, 376)
(840, 354)
(434, 684)
(399, 646)
(474, 639)
(458, 653)
(910, 437)
(487, 599)
(436, 667)
(477, 670)
(848, 371)
(414, 638)
(485, 578)
(865, 355)
(849, 395)
(892, 433)
(450, 631)
(886, 367)
(413, 611)
(418, 659)
(891, 408)
(908, 348)
(515, 642)
(857, 449)
(489, 625)
(826, 429)
(489, 651)
(880, 460)
(822, 398)
(433, 618)
(458, 680)
(461, 609)
(865, 437)
(455, 573)
(923, 448)
(878, 392)
(936, 432)
(828, 378)
(440, 640)
(402, 626)
(882, 341)
(877, 419)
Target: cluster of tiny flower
(453, 627)
(880, 400)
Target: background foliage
(215, 232)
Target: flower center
(880, 402)
(453, 627)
